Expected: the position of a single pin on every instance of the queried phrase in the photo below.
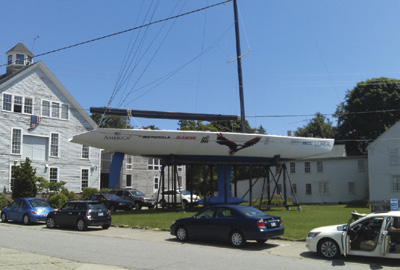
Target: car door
(64, 215)
(201, 225)
(14, 208)
(223, 223)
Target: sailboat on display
(189, 147)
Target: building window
(129, 180)
(9, 60)
(28, 106)
(55, 110)
(308, 189)
(323, 187)
(12, 180)
(352, 188)
(156, 182)
(20, 59)
(307, 167)
(16, 141)
(85, 151)
(53, 175)
(17, 104)
(361, 167)
(85, 178)
(292, 167)
(54, 144)
(396, 183)
(64, 111)
(7, 102)
(293, 191)
(320, 166)
(153, 164)
(129, 161)
(45, 108)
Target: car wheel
(81, 225)
(181, 234)
(261, 241)
(138, 206)
(112, 208)
(163, 203)
(328, 248)
(26, 220)
(105, 226)
(50, 223)
(237, 239)
(4, 217)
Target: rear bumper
(264, 233)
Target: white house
(328, 178)
(38, 117)
(384, 165)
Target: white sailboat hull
(200, 145)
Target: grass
(297, 223)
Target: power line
(130, 29)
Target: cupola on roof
(18, 57)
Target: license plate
(101, 214)
(273, 224)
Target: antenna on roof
(33, 44)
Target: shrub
(3, 201)
(58, 200)
(86, 192)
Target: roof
(4, 80)
(385, 134)
(20, 47)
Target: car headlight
(313, 234)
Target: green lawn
(297, 223)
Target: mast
(239, 66)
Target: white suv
(182, 196)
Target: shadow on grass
(374, 263)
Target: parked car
(374, 235)
(136, 196)
(26, 210)
(112, 201)
(235, 223)
(80, 214)
(182, 196)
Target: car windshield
(111, 197)
(251, 212)
(96, 206)
(38, 203)
(185, 192)
(137, 193)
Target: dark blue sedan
(26, 210)
(235, 223)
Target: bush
(58, 200)
(3, 201)
(86, 192)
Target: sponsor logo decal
(322, 144)
(186, 137)
(234, 147)
(118, 137)
(156, 137)
(205, 139)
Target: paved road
(36, 247)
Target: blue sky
(304, 55)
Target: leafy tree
(3, 201)
(49, 188)
(152, 127)
(24, 181)
(111, 121)
(227, 126)
(369, 110)
(319, 127)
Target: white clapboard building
(38, 116)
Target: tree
(111, 121)
(227, 126)
(318, 127)
(24, 180)
(369, 110)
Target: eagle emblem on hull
(234, 147)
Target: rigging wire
(128, 30)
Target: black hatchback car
(235, 223)
(80, 214)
